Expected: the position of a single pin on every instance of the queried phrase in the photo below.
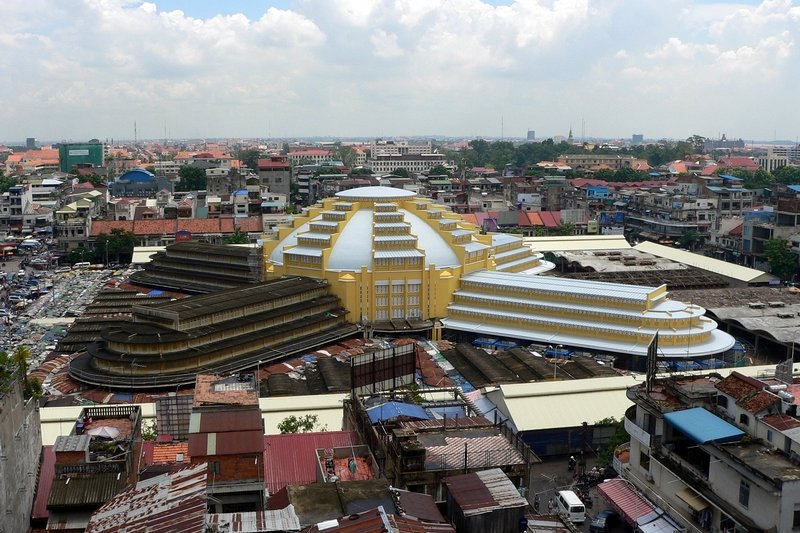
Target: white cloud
(382, 67)
(385, 44)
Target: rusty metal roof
(254, 522)
(484, 491)
(417, 505)
(230, 443)
(292, 459)
(225, 421)
(85, 491)
(170, 503)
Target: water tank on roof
(786, 396)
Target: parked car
(603, 521)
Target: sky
(80, 69)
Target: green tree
(191, 179)
(324, 171)
(697, 142)
(604, 174)
(81, 254)
(20, 357)
(689, 239)
(345, 154)
(564, 228)
(627, 174)
(439, 170)
(787, 175)
(402, 172)
(95, 179)
(6, 183)
(119, 244)
(620, 436)
(149, 430)
(298, 424)
(361, 171)
(237, 237)
(782, 261)
(250, 158)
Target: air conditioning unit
(648, 476)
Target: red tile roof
(292, 459)
(781, 422)
(159, 453)
(170, 227)
(739, 386)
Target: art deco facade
(390, 255)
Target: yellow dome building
(397, 260)
(390, 254)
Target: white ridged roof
(550, 284)
(375, 193)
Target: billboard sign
(383, 370)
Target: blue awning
(390, 410)
(795, 188)
(703, 426)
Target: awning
(390, 410)
(703, 426)
(656, 522)
(624, 498)
(693, 499)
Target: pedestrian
(536, 503)
(550, 506)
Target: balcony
(633, 429)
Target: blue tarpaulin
(155, 292)
(389, 410)
(703, 426)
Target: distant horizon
(367, 139)
(280, 69)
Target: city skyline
(457, 68)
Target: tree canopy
(191, 179)
(237, 237)
(118, 245)
(401, 172)
(250, 158)
(439, 170)
(782, 261)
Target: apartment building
(415, 163)
(718, 453)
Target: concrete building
(421, 262)
(414, 163)
(615, 162)
(779, 156)
(139, 182)
(226, 433)
(718, 453)
(165, 344)
(275, 174)
(20, 446)
(86, 155)
(385, 147)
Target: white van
(570, 506)
(83, 264)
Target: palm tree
(20, 357)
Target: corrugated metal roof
(254, 522)
(621, 494)
(560, 285)
(47, 472)
(577, 242)
(390, 254)
(543, 405)
(224, 421)
(229, 443)
(703, 426)
(407, 524)
(90, 491)
(166, 503)
(417, 505)
(450, 456)
(483, 492)
(292, 459)
(72, 443)
(738, 272)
